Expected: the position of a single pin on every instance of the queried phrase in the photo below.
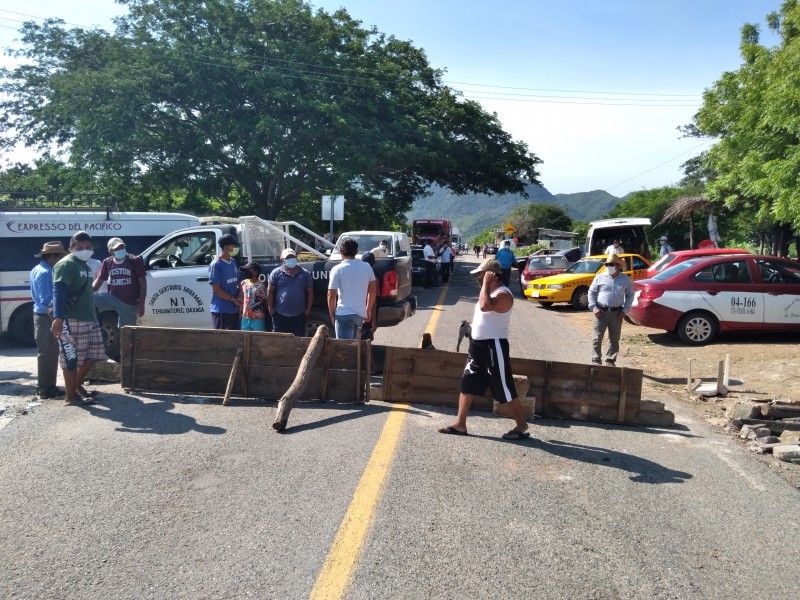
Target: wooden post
(623, 394)
(286, 402)
(237, 359)
(358, 369)
(326, 367)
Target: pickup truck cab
(179, 293)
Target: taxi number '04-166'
(743, 305)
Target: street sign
(499, 230)
(509, 229)
(336, 203)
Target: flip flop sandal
(450, 430)
(516, 434)
(79, 401)
(86, 393)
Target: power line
(659, 166)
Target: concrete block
(787, 453)
(790, 437)
(104, 371)
(651, 406)
(744, 410)
(654, 419)
(528, 408)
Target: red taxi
(678, 256)
(537, 266)
(702, 297)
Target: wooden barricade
(199, 361)
(562, 390)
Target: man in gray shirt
(610, 299)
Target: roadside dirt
(764, 367)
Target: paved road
(142, 497)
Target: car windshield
(542, 263)
(662, 263)
(367, 242)
(586, 266)
(675, 269)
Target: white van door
(178, 291)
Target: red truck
(431, 231)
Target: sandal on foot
(516, 434)
(452, 430)
(79, 401)
(86, 393)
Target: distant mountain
(473, 213)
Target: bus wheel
(21, 327)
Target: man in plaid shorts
(74, 318)
(489, 363)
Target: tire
(21, 327)
(697, 328)
(109, 327)
(319, 317)
(580, 298)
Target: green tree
(254, 104)
(753, 113)
(527, 218)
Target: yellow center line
(337, 571)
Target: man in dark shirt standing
(223, 275)
(127, 285)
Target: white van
(23, 232)
(629, 231)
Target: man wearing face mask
(665, 247)
(290, 295)
(488, 363)
(223, 275)
(127, 285)
(75, 320)
(381, 250)
(610, 299)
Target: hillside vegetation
(473, 213)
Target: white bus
(23, 232)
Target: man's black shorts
(489, 366)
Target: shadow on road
(135, 416)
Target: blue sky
(596, 88)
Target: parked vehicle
(573, 284)
(417, 266)
(177, 276)
(702, 297)
(24, 231)
(678, 256)
(430, 231)
(491, 249)
(629, 231)
(537, 266)
(399, 244)
(573, 255)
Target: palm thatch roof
(683, 207)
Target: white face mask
(611, 269)
(382, 246)
(83, 255)
(663, 242)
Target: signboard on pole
(334, 203)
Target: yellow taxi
(573, 284)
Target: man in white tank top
(488, 362)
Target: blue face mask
(120, 253)
(291, 263)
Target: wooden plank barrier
(562, 390)
(199, 361)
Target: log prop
(232, 377)
(286, 403)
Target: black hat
(251, 266)
(228, 240)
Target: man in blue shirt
(223, 275)
(290, 295)
(506, 259)
(41, 279)
(610, 299)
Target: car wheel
(21, 327)
(109, 327)
(315, 319)
(697, 328)
(547, 305)
(580, 299)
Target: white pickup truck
(179, 294)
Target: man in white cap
(488, 362)
(665, 247)
(290, 295)
(127, 284)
